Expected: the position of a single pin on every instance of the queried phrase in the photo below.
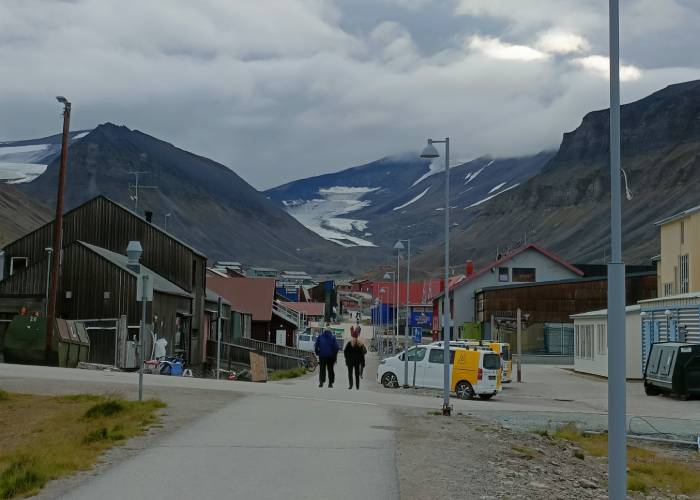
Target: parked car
(306, 340)
(673, 368)
(474, 371)
(500, 348)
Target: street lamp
(431, 153)
(57, 227)
(399, 246)
(165, 227)
(392, 275)
(382, 291)
(617, 397)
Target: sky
(284, 89)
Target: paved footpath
(264, 447)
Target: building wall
(546, 270)
(597, 362)
(679, 237)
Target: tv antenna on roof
(135, 187)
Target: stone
(585, 483)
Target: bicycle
(309, 363)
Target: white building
(527, 264)
(591, 342)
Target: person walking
(354, 352)
(326, 348)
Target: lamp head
(429, 151)
(62, 100)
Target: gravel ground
(465, 457)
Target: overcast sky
(283, 89)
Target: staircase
(288, 314)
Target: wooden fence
(238, 353)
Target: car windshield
(492, 361)
(505, 352)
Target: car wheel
(684, 397)
(389, 380)
(486, 397)
(464, 390)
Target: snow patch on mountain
(496, 188)
(491, 197)
(322, 215)
(413, 200)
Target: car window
(438, 356)
(416, 356)
(667, 361)
(505, 352)
(304, 338)
(492, 361)
(654, 360)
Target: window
(684, 278)
(18, 263)
(667, 361)
(505, 353)
(503, 274)
(524, 274)
(492, 361)
(437, 355)
(602, 339)
(416, 356)
(653, 366)
(584, 341)
(668, 288)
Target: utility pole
(218, 337)
(519, 337)
(57, 229)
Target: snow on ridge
(17, 173)
(496, 188)
(412, 200)
(492, 196)
(80, 135)
(356, 190)
(8, 150)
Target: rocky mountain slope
(566, 207)
(211, 207)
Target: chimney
(470, 267)
(149, 216)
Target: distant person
(354, 352)
(326, 348)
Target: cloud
(283, 89)
(601, 65)
(561, 42)
(493, 47)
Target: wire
(628, 191)
(655, 431)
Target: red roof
(253, 295)
(308, 308)
(496, 263)
(420, 292)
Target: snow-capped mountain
(24, 161)
(399, 197)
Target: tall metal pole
(617, 452)
(519, 334)
(57, 229)
(48, 278)
(446, 307)
(405, 332)
(218, 337)
(142, 332)
(397, 303)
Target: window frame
(12, 264)
(520, 271)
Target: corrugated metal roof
(160, 284)
(308, 308)
(677, 216)
(250, 295)
(603, 312)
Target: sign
(258, 367)
(149, 288)
(281, 338)
(417, 334)
(422, 319)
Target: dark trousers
(326, 364)
(356, 369)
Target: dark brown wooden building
(95, 282)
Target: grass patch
(648, 470)
(287, 374)
(525, 451)
(44, 437)
(4, 396)
(435, 413)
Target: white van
(473, 372)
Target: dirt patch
(464, 457)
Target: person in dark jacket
(326, 348)
(354, 352)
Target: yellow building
(679, 268)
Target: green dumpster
(25, 342)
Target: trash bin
(673, 368)
(73, 343)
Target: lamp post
(57, 227)
(399, 246)
(430, 152)
(49, 252)
(133, 253)
(617, 438)
(382, 291)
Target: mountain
(24, 161)
(210, 207)
(19, 214)
(566, 208)
(399, 197)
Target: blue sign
(417, 334)
(422, 319)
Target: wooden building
(94, 282)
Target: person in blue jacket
(326, 348)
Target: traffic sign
(417, 335)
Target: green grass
(287, 374)
(648, 470)
(44, 438)
(4, 396)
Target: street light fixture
(430, 152)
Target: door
(416, 361)
(434, 368)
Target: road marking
(331, 400)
